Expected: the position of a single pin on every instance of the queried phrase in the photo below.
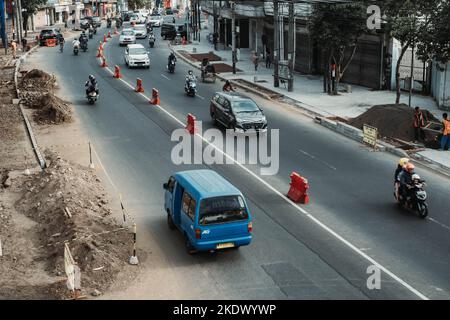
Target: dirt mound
(99, 246)
(51, 109)
(38, 80)
(392, 120)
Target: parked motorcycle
(416, 197)
(171, 66)
(191, 88)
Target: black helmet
(92, 78)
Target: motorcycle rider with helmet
(405, 180)
(401, 164)
(171, 57)
(91, 85)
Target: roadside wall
(440, 85)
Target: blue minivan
(210, 212)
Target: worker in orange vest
(420, 121)
(445, 140)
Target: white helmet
(415, 176)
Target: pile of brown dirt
(391, 120)
(51, 109)
(38, 80)
(99, 246)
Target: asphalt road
(320, 253)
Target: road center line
(294, 205)
(165, 77)
(313, 157)
(439, 223)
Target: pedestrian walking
(14, 49)
(445, 140)
(419, 121)
(268, 58)
(255, 60)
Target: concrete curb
(38, 153)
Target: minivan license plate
(225, 245)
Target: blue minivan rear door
(223, 217)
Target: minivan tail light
(250, 227)
(198, 234)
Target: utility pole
(199, 15)
(291, 49)
(276, 81)
(411, 82)
(233, 36)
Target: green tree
(435, 41)
(30, 7)
(138, 4)
(336, 28)
(409, 21)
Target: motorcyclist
(151, 38)
(61, 42)
(172, 57)
(405, 180)
(91, 85)
(401, 164)
(190, 77)
(108, 22)
(76, 43)
(227, 86)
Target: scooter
(108, 23)
(75, 50)
(91, 33)
(84, 46)
(190, 88)
(92, 97)
(151, 41)
(416, 199)
(171, 66)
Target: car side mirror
(165, 186)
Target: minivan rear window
(221, 210)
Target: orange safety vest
(446, 127)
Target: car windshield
(96, 18)
(138, 51)
(245, 106)
(128, 32)
(155, 16)
(221, 210)
(139, 27)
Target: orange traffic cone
(104, 64)
(104, 38)
(117, 74)
(115, 31)
(109, 34)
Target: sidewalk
(308, 92)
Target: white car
(135, 18)
(136, 56)
(155, 20)
(140, 31)
(127, 36)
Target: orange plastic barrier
(190, 127)
(298, 190)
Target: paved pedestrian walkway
(308, 90)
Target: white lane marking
(200, 97)
(164, 76)
(282, 196)
(439, 223)
(313, 157)
(104, 169)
